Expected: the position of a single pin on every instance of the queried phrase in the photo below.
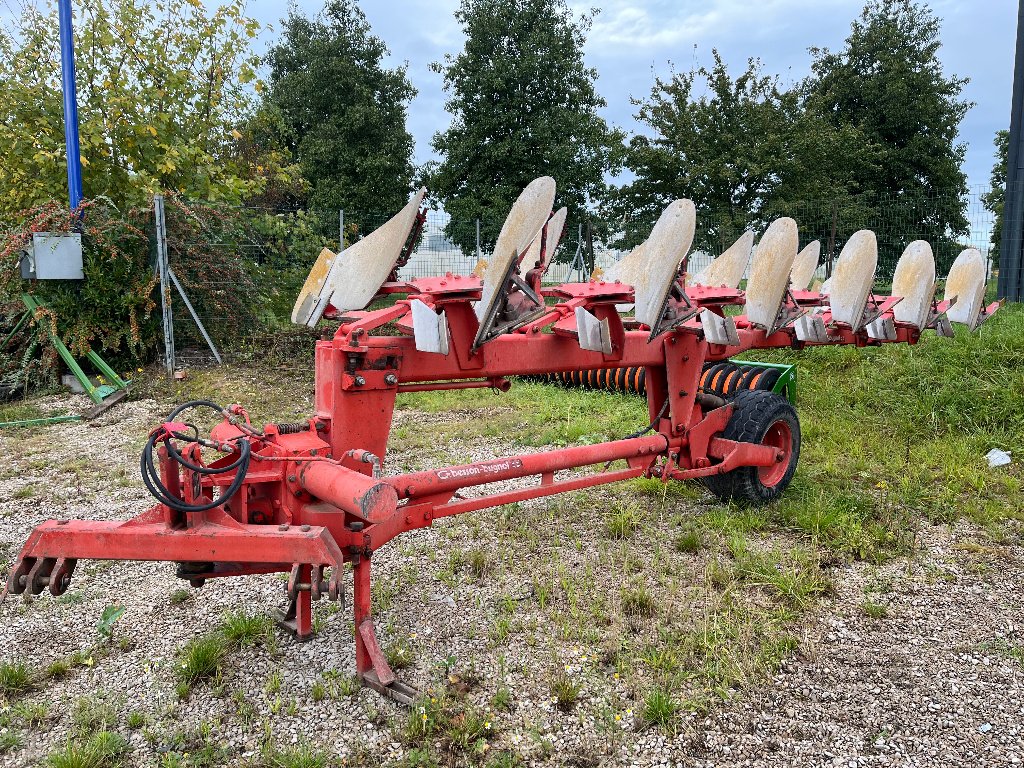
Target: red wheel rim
(780, 437)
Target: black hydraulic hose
(194, 404)
(151, 477)
(178, 457)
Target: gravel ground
(936, 681)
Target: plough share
(307, 498)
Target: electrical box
(53, 256)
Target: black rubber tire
(755, 412)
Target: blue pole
(67, 76)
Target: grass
(303, 756)
(659, 709)
(92, 714)
(874, 610)
(15, 678)
(201, 659)
(622, 523)
(241, 628)
(32, 713)
(638, 602)
(689, 542)
(565, 690)
(101, 750)
(10, 741)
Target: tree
(523, 105)
(889, 83)
(744, 151)
(343, 114)
(161, 88)
(994, 199)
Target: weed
(32, 712)
(105, 626)
(273, 684)
(318, 692)
(15, 678)
(135, 720)
(92, 714)
(542, 592)
(468, 731)
(502, 700)
(399, 654)
(478, 563)
(659, 709)
(9, 741)
(622, 523)
(874, 610)
(193, 748)
(101, 750)
(180, 596)
(201, 659)
(425, 719)
(241, 628)
(418, 758)
(505, 759)
(638, 602)
(689, 542)
(565, 690)
(501, 630)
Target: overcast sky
(632, 40)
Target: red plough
(306, 498)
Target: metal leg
(298, 618)
(372, 667)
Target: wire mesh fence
(243, 267)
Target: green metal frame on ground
(104, 396)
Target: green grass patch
(101, 750)
(201, 659)
(15, 678)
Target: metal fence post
(832, 242)
(478, 255)
(165, 287)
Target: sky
(632, 41)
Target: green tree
(523, 105)
(744, 151)
(161, 88)
(342, 113)
(889, 83)
(994, 199)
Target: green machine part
(785, 384)
(104, 396)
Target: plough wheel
(765, 418)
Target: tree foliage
(888, 82)
(340, 112)
(742, 149)
(161, 87)
(994, 199)
(523, 105)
